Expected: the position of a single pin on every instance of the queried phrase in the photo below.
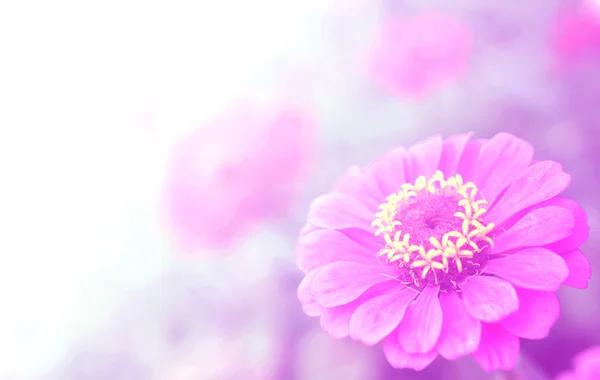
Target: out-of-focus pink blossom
(413, 57)
(587, 366)
(239, 168)
(575, 34)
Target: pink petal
(361, 186)
(389, 171)
(539, 227)
(366, 239)
(468, 160)
(338, 211)
(452, 151)
(538, 312)
(307, 229)
(489, 299)
(326, 246)
(580, 271)
(501, 160)
(378, 317)
(399, 358)
(541, 181)
(581, 231)
(532, 268)
(308, 302)
(342, 282)
(420, 329)
(336, 321)
(498, 350)
(460, 331)
(425, 157)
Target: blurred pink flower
(241, 167)
(413, 57)
(575, 34)
(587, 366)
(451, 247)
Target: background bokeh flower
(235, 171)
(414, 56)
(576, 34)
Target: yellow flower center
(434, 231)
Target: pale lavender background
(92, 97)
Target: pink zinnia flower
(412, 57)
(237, 169)
(587, 366)
(450, 247)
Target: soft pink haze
(412, 57)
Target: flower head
(237, 169)
(587, 366)
(413, 57)
(450, 247)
